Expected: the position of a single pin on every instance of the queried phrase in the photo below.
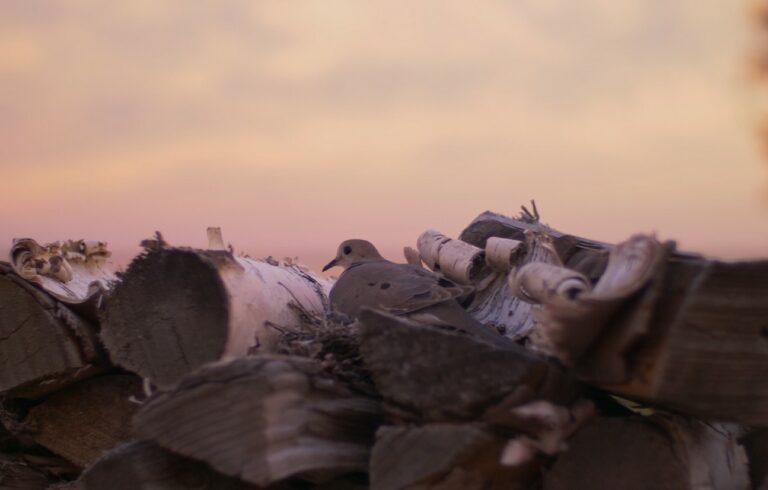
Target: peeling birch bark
(573, 314)
(456, 260)
(502, 253)
(75, 272)
(495, 302)
(178, 308)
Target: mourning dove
(371, 281)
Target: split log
(429, 374)
(706, 353)
(670, 328)
(17, 474)
(655, 452)
(84, 420)
(146, 466)
(176, 309)
(264, 419)
(44, 346)
(438, 456)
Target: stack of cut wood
(626, 366)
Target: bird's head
(353, 251)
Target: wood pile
(631, 366)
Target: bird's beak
(330, 264)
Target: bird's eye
(347, 250)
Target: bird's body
(370, 281)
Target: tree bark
(177, 309)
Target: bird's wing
(397, 288)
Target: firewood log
(442, 456)
(670, 328)
(428, 374)
(43, 344)
(176, 309)
(264, 419)
(84, 420)
(146, 466)
(658, 452)
(17, 474)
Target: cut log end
(168, 315)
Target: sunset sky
(295, 125)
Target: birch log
(43, 345)
(178, 308)
(489, 270)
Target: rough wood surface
(84, 420)
(18, 474)
(643, 453)
(146, 466)
(574, 316)
(707, 351)
(43, 345)
(176, 309)
(438, 456)
(437, 375)
(264, 419)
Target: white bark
(456, 260)
(73, 272)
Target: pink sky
(294, 126)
